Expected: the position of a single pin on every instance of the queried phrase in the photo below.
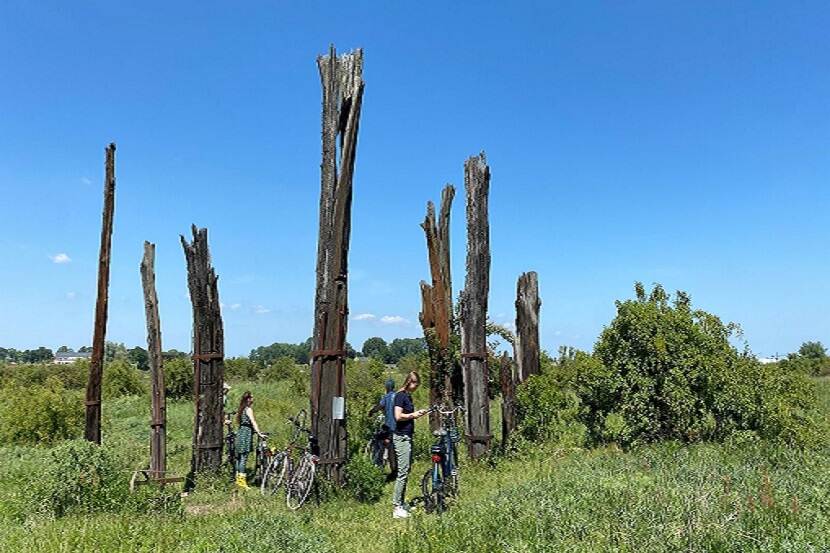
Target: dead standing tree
(342, 82)
(527, 326)
(474, 307)
(158, 432)
(92, 428)
(436, 304)
(208, 355)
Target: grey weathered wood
(508, 401)
(341, 78)
(158, 430)
(527, 325)
(92, 427)
(474, 307)
(208, 354)
(436, 303)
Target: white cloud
(60, 258)
(558, 333)
(86, 180)
(235, 306)
(393, 320)
(364, 317)
(261, 310)
(71, 295)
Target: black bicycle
(297, 476)
(262, 459)
(441, 480)
(230, 444)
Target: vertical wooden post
(208, 354)
(508, 402)
(474, 307)
(92, 428)
(527, 325)
(342, 82)
(436, 303)
(158, 431)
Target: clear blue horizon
(681, 144)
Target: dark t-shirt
(404, 401)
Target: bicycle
(230, 443)
(281, 461)
(441, 480)
(262, 460)
(299, 482)
(378, 449)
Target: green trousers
(403, 452)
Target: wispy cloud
(235, 306)
(393, 320)
(364, 317)
(71, 295)
(60, 258)
(261, 310)
(86, 180)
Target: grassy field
(744, 495)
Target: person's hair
(390, 384)
(409, 378)
(243, 403)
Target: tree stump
(474, 307)
(208, 355)
(342, 82)
(92, 427)
(527, 325)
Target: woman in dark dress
(244, 436)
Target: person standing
(244, 437)
(405, 415)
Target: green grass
(737, 496)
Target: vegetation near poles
(158, 431)
(342, 82)
(208, 354)
(474, 307)
(92, 427)
(527, 325)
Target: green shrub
(364, 388)
(122, 379)
(72, 376)
(78, 477)
(284, 368)
(40, 414)
(364, 480)
(240, 368)
(178, 377)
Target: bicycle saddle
(440, 432)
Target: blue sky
(680, 143)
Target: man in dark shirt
(405, 415)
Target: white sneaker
(400, 512)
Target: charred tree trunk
(508, 403)
(527, 326)
(208, 355)
(436, 303)
(474, 307)
(342, 82)
(158, 431)
(92, 428)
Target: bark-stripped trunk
(92, 428)
(474, 307)
(342, 82)
(158, 431)
(208, 354)
(527, 326)
(508, 403)
(436, 303)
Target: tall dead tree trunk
(342, 82)
(158, 431)
(474, 307)
(508, 401)
(527, 325)
(208, 354)
(436, 303)
(92, 428)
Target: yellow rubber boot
(242, 481)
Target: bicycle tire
(275, 473)
(301, 482)
(434, 500)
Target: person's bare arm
(253, 420)
(401, 416)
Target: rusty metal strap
(209, 446)
(327, 353)
(207, 356)
(480, 439)
(335, 461)
(476, 355)
(93, 402)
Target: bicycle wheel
(275, 473)
(433, 494)
(300, 483)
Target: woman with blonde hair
(405, 415)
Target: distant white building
(768, 360)
(69, 357)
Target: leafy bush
(178, 377)
(40, 414)
(364, 480)
(364, 388)
(240, 368)
(71, 376)
(122, 379)
(284, 368)
(811, 359)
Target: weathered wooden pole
(158, 431)
(436, 303)
(208, 354)
(526, 347)
(474, 307)
(508, 402)
(341, 78)
(92, 428)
